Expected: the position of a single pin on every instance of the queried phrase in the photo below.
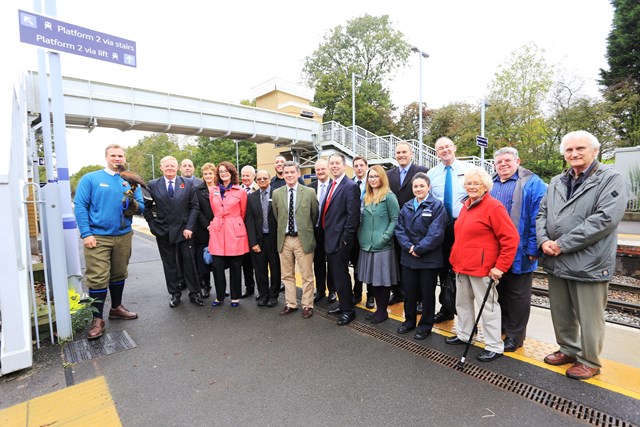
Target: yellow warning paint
(88, 403)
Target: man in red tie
(340, 220)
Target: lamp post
(153, 167)
(425, 55)
(353, 110)
(483, 108)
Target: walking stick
(475, 326)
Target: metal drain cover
(111, 342)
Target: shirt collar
(110, 172)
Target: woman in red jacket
(228, 240)
(485, 246)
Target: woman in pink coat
(228, 240)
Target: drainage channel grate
(111, 342)
(543, 397)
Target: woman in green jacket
(377, 260)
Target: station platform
(223, 366)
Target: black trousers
(447, 244)
(265, 261)
(419, 281)
(247, 272)
(235, 275)
(171, 254)
(341, 278)
(320, 268)
(397, 289)
(514, 297)
(204, 270)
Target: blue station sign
(52, 34)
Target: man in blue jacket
(520, 191)
(104, 204)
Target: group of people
(402, 231)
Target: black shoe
(403, 329)
(258, 296)
(181, 286)
(345, 319)
(488, 356)
(336, 310)
(205, 292)
(272, 302)
(247, 293)
(332, 297)
(369, 316)
(318, 297)
(511, 345)
(196, 300)
(442, 317)
(262, 302)
(370, 302)
(357, 299)
(419, 308)
(395, 299)
(422, 334)
(454, 340)
(281, 287)
(175, 301)
(375, 320)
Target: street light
(153, 167)
(425, 55)
(483, 107)
(353, 110)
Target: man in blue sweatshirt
(104, 204)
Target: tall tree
(370, 47)
(223, 149)
(622, 80)
(517, 96)
(149, 151)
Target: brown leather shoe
(96, 329)
(121, 312)
(288, 310)
(580, 371)
(558, 358)
(307, 312)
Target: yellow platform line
(88, 403)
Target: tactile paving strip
(536, 394)
(109, 343)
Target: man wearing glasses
(447, 185)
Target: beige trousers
(292, 255)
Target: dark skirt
(378, 268)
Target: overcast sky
(220, 50)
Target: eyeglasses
(373, 177)
(262, 179)
(221, 171)
(474, 184)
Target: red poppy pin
(182, 185)
(125, 184)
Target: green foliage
(159, 145)
(75, 178)
(222, 149)
(370, 47)
(622, 80)
(459, 121)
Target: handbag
(206, 256)
(448, 292)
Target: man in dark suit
(262, 241)
(400, 184)
(176, 211)
(321, 187)
(340, 217)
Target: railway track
(630, 306)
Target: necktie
(403, 172)
(248, 189)
(170, 189)
(448, 193)
(265, 212)
(359, 182)
(323, 191)
(291, 226)
(326, 204)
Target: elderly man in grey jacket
(576, 231)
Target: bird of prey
(134, 181)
